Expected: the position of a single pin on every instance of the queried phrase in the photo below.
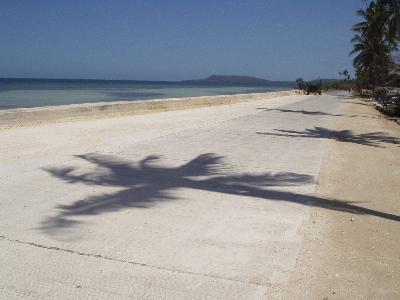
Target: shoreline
(18, 117)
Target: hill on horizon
(237, 79)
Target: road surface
(193, 204)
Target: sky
(176, 40)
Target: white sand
(27, 116)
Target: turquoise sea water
(17, 93)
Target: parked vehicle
(313, 89)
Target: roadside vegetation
(375, 50)
(376, 57)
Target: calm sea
(16, 93)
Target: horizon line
(144, 80)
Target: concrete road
(193, 204)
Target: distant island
(217, 80)
(238, 80)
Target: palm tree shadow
(318, 113)
(304, 112)
(374, 139)
(145, 184)
(364, 103)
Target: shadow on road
(364, 103)
(375, 139)
(304, 112)
(146, 183)
(320, 113)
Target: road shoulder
(347, 255)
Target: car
(313, 89)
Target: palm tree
(396, 14)
(394, 18)
(345, 74)
(300, 83)
(373, 44)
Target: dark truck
(313, 89)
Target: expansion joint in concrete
(99, 256)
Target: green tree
(373, 44)
(393, 7)
(345, 74)
(300, 83)
(394, 17)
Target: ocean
(25, 93)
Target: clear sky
(174, 40)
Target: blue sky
(174, 40)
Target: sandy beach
(255, 196)
(34, 116)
